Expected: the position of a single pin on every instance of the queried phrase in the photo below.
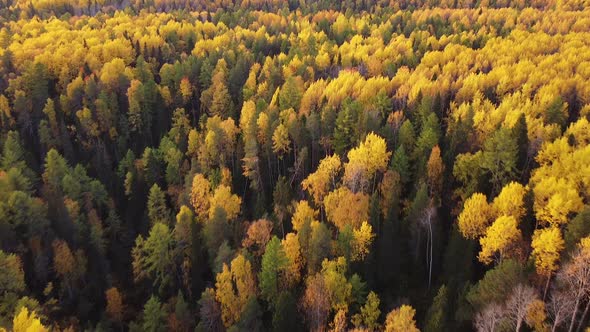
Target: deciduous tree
(319, 183)
(547, 245)
(224, 199)
(257, 236)
(200, 195)
(510, 201)
(370, 157)
(401, 319)
(475, 217)
(344, 207)
(234, 289)
(316, 303)
(435, 169)
(115, 308)
(26, 321)
(499, 240)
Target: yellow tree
(510, 201)
(555, 200)
(200, 194)
(27, 322)
(280, 140)
(362, 239)
(193, 144)
(339, 289)
(186, 90)
(435, 169)
(250, 84)
(224, 199)
(220, 140)
(401, 320)
(64, 263)
(499, 239)
(183, 228)
(111, 73)
(365, 161)
(226, 296)
(547, 245)
(257, 236)
(234, 288)
(318, 183)
(344, 207)
(292, 249)
(339, 323)
(475, 217)
(536, 315)
(303, 213)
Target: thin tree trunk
(426, 258)
(573, 319)
(546, 287)
(417, 247)
(430, 265)
(268, 162)
(580, 326)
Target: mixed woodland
(293, 165)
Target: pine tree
(14, 155)
(290, 94)
(520, 132)
(344, 132)
(153, 316)
(274, 261)
(285, 314)
(401, 164)
(156, 206)
(436, 316)
(499, 157)
(154, 257)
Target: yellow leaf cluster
(318, 183)
(475, 217)
(27, 322)
(200, 194)
(343, 207)
(234, 288)
(547, 245)
(303, 213)
(365, 161)
(401, 320)
(555, 199)
(362, 239)
(510, 201)
(499, 239)
(224, 199)
(293, 252)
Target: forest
(295, 165)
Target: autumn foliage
(255, 165)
